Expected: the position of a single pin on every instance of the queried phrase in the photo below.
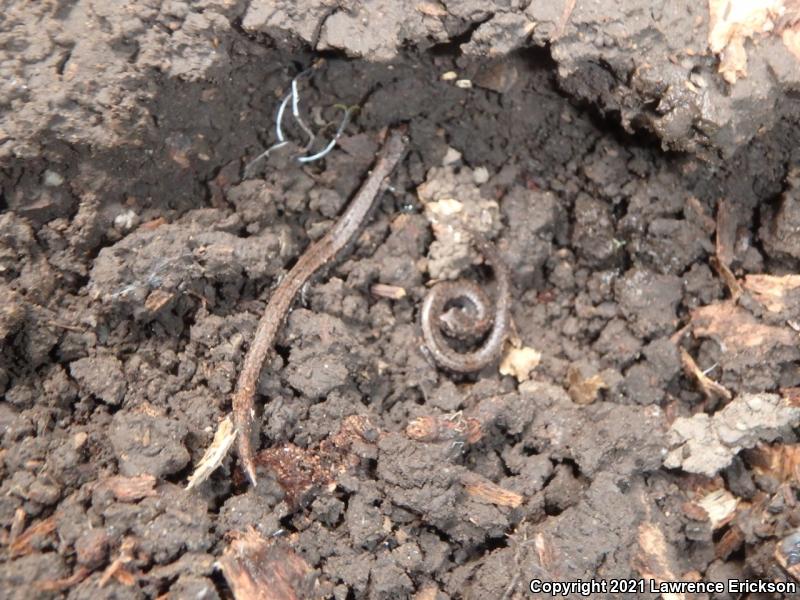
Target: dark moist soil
(132, 276)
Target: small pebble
(126, 221)
(451, 156)
(480, 175)
(52, 179)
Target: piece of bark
(729, 543)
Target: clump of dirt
(654, 290)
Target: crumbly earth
(135, 262)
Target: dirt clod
(148, 445)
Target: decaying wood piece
(384, 290)
(781, 461)
(482, 489)
(737, 331)
(260, 569)
(655, 558)
(584, 390)
(520, 362)
(732, 23)
(729, 543)
(720, 506)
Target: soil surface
(648, 231)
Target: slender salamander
(318, 255)
(448, 292)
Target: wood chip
(695, 512)
(482, 489)
(720, 506)
(728, 278)
(158, 299)
(392, 292)
(729, 543)
(300, 471)
(545, 553)
(260, 569)
(724, 247)
(738, 331)
(17, 525)
(214, 454)
(731, 23)
(444, 428)
(154, 224)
